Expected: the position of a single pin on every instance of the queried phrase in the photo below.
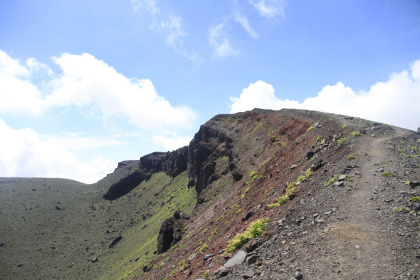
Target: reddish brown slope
(334, 232)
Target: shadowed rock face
(171, 231)
(126, 184)
(208, 145)
(172, 163)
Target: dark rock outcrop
(171, 231)
(126, 184)
(172, 163)
(209, 144)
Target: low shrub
(255, 230)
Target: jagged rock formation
(208, 145)
(171, 231)
(172, 163)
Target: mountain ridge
(264, 165)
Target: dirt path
(361, 241)
(352, 231)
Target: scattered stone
(222, 271)
(339, 183)
(208, 256)
(317, 165)
(2, 244)
(310, 154)
(248, 216)
(94, 260)
(341, 178)
(298, 275)
(58, 208)
(248, 274)
(252, 259)
(251, 246)
(238, 258)
(413, 184)
(115, 241)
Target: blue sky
(86, 84)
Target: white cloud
(220, 42)
(243, 20)
(259, 95)
(169, 26)
(171, 142)
(173, 25)
(88, 83)
(25, 153)
(149, 5)
(269, 8)
(394, 101)
(17, 93)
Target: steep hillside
(286, 194)
(333, 191)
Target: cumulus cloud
(269, 8)
(24, 152)
(259, 95)
(243, 21)
(394, 101)
(171, 142)
(87, 82)
(220, 42)
(17, 92)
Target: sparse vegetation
(415, 198)
(301, 178)
(254, 231)
(350, 157)
(387, 174)
(204, 247)
(342, 140)
(404, 209)
(310, 128)
(308, 173)
(282, 199)
(181, 265)
(356, 133)
(332, 180)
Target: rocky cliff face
(209, 145)
(172, 163)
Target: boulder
(171, 231)
(238, 258)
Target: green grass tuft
(254, 231)
(310, 128)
